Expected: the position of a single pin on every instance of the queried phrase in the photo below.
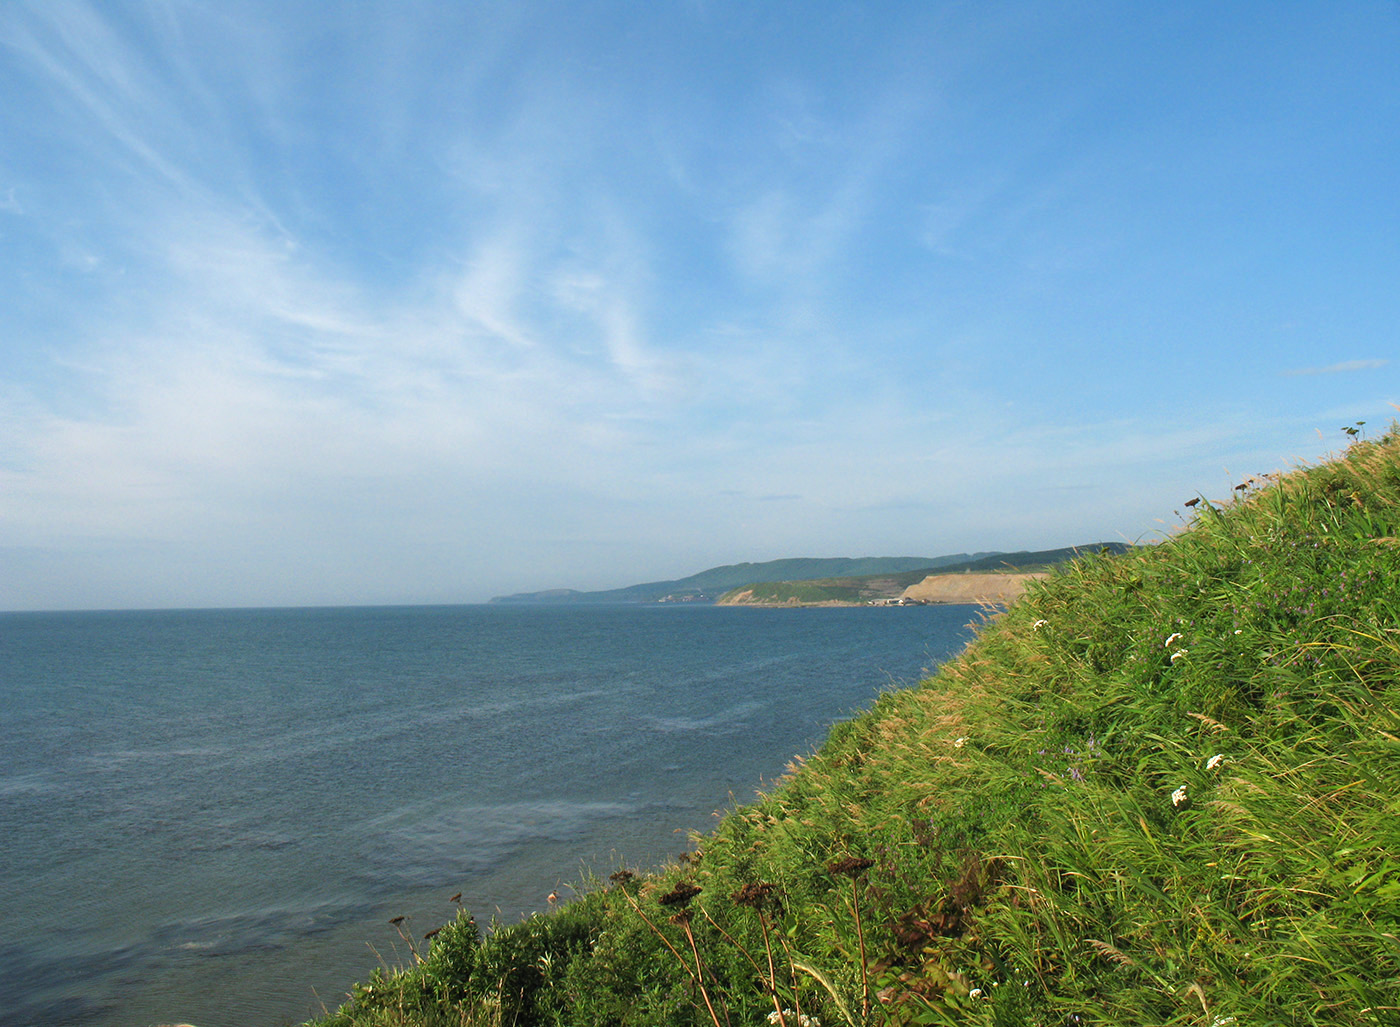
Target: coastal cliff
(990, 589)
(984, 589)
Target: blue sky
(366, 302)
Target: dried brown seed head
(680, 895)
(851, 866)
(756, 894)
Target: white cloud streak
(1344, 367)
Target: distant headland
(990, 577)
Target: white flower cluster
(794, 1019)
(1215, 761)
(1040, 624)
(1179, 796)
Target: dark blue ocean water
(209, 816)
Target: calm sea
(210, 816)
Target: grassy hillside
(1162, 788)
(824, 590)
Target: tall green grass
(1162, 788)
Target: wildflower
(1215, 761)
(1179, 796)
(975, 993)
(1179, 654)
(1172, 638)
(959, 743)
(1040, 624)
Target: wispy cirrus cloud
(1344, 367)
(423, 302)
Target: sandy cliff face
(970, 588)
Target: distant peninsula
(839, 581)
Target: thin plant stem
(697, 974)
(658, 932)
(792, 971)
(771, 984)
(860, 938)
(700, 971)
(772, 973)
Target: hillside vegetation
(1162, 788)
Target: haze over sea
(211, 815)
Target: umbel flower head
(680, 895)
(756, 894)
(788, 1016)
(851, 866)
